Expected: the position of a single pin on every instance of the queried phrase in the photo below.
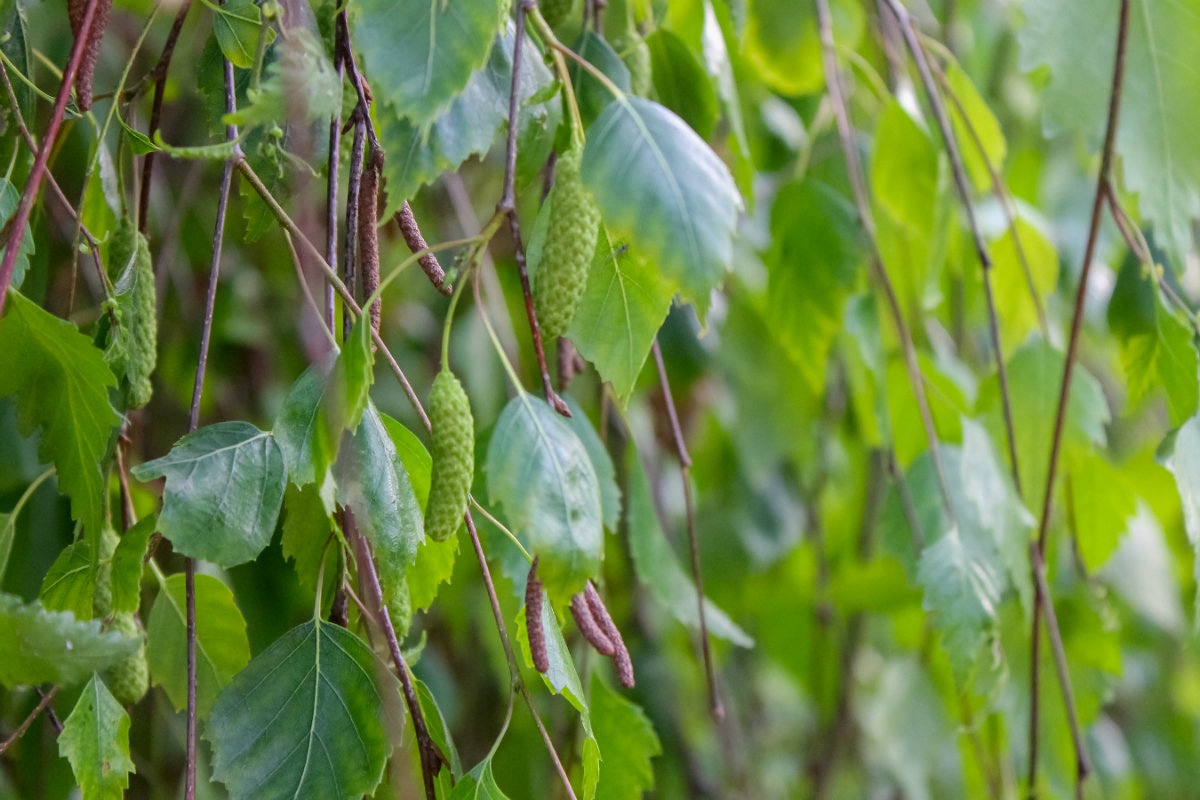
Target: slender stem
(511, 536)
(24, 726)
(331, 182)
(1141, 249)
(16, 227)
(160, 84)
(878, 270)
(356, 168)
(685, 470)
(1106, 158)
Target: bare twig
(685, 470)
(159, 75)
(331, 180)
(15, 229)
(1106, 158)
(24, 726)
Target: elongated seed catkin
(555, 12)
(135, 293)
(368, 231)
(453, 452)
(620, 657)
(588, 626)
(129, 678)
(570, 245)
(637, 59)
(76, 11)
(533, 620)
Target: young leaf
(61, 383)
(222, 648)
(55, 647)
(95, 739)
(9, 197)
(224, 488)
(657, 183)
(69, 583)
(433, 566)
(298, 422)
(302, 720)
(413, 455)
(541, 473)
(982, 121)
(629, 744)
(420, 55)
(300, 84)
(681, 83)
(658, 568)
(1009, 283)
(237, 27)
(624, 303)
(306, 531)
(435, 722)
(127, 562)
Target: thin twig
(159, 75)
(358, 119)
(1141, 249)
(685, 470)
(1106, 159)
(508, 206)
(214, 271)
(15, 228)
(833, 80)
(331, 181)
(24, 726)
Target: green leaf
(413, 455)
(127, 562)
(9, 197)
(606, 476)
(781, 42)
(681, 83)
(479, 784)
(591, 95)
(306, 530)
(53, 646)
(70, 583)
(433, 566)
(302, 720)
(237, 27)
(623, 305)
(1156, 347)
(222, 151)
(298, 424)
(629, 744)
(419, 153)
(813, 265)
(1076, 39)
(658, 568)
(300, 84)
(373, 484)
(541, 473)
(1009, 283)
(420, 55)
(139, 143)
(346, 396)
(1102, 505)
(95, 739)
(1180, 453)
(657, 183)
(222, 648)
(439, 731)
(224, 488)
(969, 114)
(61, 381)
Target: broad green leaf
(9, 197)
(1010, 284)
(909, 185)
(592, 95)
(659, 570)
(373, 484)
(434, 566)
(301, 720)
(127, 562)
(1142, 572)
(300, 84)
(782, 43)
(236, 26)
(659, 185)
(222, 648)
(306, 531)
(623, 305)
(971, 114)
(346, 396)
(420, 55)
(1181, 454)
(298, 424)
(70, 583)
(681, 83)
(413, 455)
(813, 265)
(629, 744)
(53, 646)
(1077, 39)
(61, 385)
(963, 583)
(1034, 376)
(224, 488)
(1156, 347)
(419, 153)
(479, 784)
(95, 739)
(539, 470)
(435, 722)
(1102, 503)
(610, 494)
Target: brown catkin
(588, 627)
(533, 620)
(76, 11)
(620, 657)
(416, 243)
(368, 231)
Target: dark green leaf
(127, 561)
(306, 530)
(629, 744)
(592, 95)
(413, 455)
(610, 495)
(681, 83)
(237, 25)
(95, 739)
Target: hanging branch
(331, 179)
(508, 207)
(1102, 183)
(359, 119)
(685, 471)
(159, 76)
(24, 726)
(878, 270)
(15, 228)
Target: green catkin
(129, 678)
(453, 446)
(135, 295)
(399, 606)
(102, 595)
(555, 12)
(637, 59)
(570, 245)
